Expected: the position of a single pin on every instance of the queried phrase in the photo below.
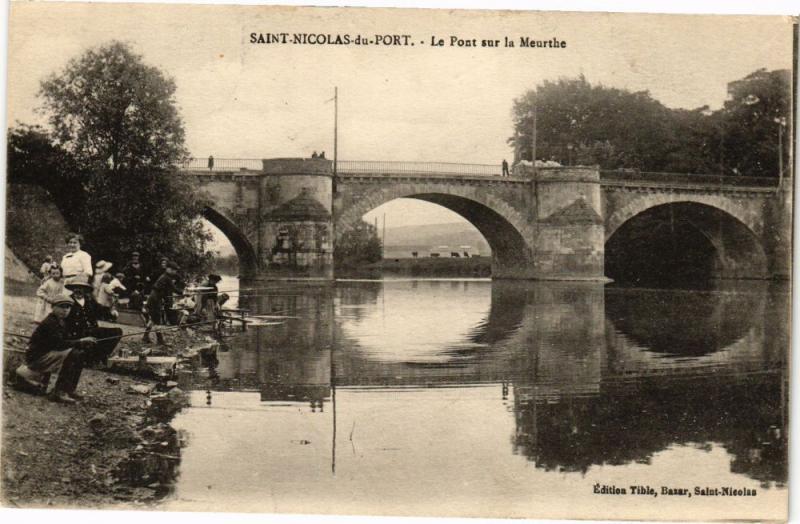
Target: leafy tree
(578, 123)
(584, 124)
(116, 117)
(357, 246)
(757, 106)
(109, 108)
(33, 158)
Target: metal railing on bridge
(222, 164)
(355, 167)
(383, 167)
(632, 175)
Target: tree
(357, 246)
(578, 123)
(757, 106)
(109, 108)
(33, 158)
(116, 117)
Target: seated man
(185, 307)
(82, 321)
(49, 351)
(207, 307)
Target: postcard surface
(398, 262)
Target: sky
(420, 103)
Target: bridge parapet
(624, 177)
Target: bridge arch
(248, 261)
(751, 218)
(504, 228)
(672, 238)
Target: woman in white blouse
(76, 262)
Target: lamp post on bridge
(532, 115)
(781, 121)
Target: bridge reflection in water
(589, 376)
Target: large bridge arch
(248, 261)
(749, 215)
(672, 237)
(504, 227)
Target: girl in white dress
(50, 290)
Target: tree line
(578, 123)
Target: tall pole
(383, 238)
(533, 136)
(335, 128)
(333, 402)
(780, 153)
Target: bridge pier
(295, 236)
(569, 235)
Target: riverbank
(113, 448)
(439, 267)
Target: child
(100, 270)
(47, 292)
(44, 271)
(106, 296)
(185, 307)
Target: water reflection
(656, 319)
(632, 421)
(588, 376)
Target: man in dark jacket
(51, 351)
(162, 291)
(134, 272)
(82, 321)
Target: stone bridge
(550, 223)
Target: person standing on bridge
(211, 163)
(505, 168)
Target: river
(493, 399)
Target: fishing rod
(159, 330)
(205, 290)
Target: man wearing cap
(156, 274)
(82, 321)
(51, 351)
(134, 273)
(153, 310)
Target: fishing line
(159, 330)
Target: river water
(493, 399)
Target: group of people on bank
(74, 296)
